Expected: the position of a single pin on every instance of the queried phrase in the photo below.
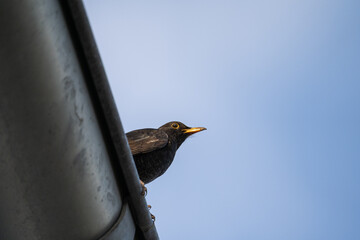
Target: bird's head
(178, 131)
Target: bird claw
(144, 192)
(152, 217)
(144, 189)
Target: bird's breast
(154, 164)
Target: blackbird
(154, 149)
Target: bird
(154, 150)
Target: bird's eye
(175, 126)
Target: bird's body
(154, 149)
(153, 152)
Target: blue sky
(277, 85)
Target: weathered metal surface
(124, 228)
(111, 119)
(56, 181)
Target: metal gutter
(106, 105)
(66, 171)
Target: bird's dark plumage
(146, 140)
(154, 149)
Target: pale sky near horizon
(277, 85)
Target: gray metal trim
(124, 228)
(104, 100)
(65, 165)
(56, 178)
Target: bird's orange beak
(193, 130)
